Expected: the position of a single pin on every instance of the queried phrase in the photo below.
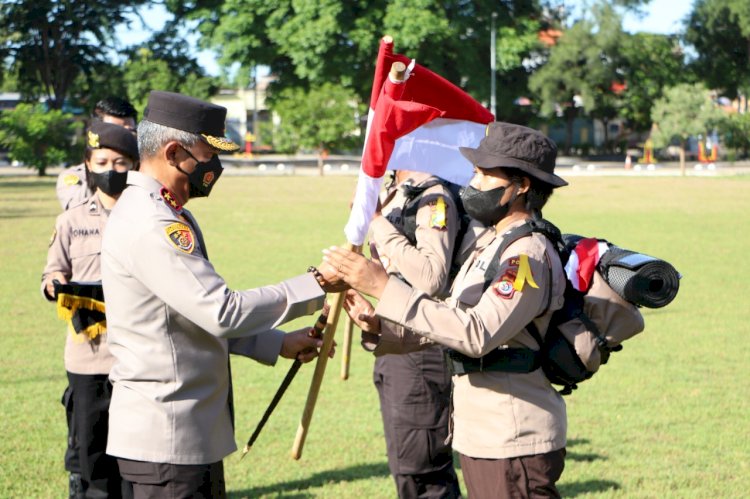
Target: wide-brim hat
(101, 135)
(190, 115)
(507, 145)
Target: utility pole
(493, 62)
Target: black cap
(102, 135)
(506, 145)
(190, 115)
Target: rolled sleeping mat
(640, 279)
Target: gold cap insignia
(220, 143)
(93, 139)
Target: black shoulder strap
(413, 195)
(531, 225)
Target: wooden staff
(398, 69)
(347, 350)
(320, 368)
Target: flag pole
(320, 368)
(347, 347)
(397, 73)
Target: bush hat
(190, 115)
(102, 135)
(507, 145)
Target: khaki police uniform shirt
(426, 264)
(496, 414)
(71, 187)
(75, 250)
(172, 321)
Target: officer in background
(72, 188)
(172, 319)
(74, 255)
(414, 240)
(510, 424)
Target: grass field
(667, 417)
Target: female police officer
(509, 422)
(74, 255)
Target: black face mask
(484, 206)
(204, 176)
(110, 182)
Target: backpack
(413, 196)
(593, 322)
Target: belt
(511, 360)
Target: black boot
(75, 486)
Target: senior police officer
(71, 187)
(74, 255)
(414, 240)
(172, 319)
(509, 422)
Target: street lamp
(493, 62)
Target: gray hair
(152, 137)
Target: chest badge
(181, 237)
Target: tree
(719, 30)
(685, 110)
(579, 72)
(650, 63)
(322, 118)
(310, 43)
(51, 42)
(735, 129)
(38, 137)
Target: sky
(661, 16)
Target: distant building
(247, 112)
(9, 100)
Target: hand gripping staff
(320, 368)
(315, 332)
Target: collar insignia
(170, 199)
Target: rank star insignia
(169, 198)
(181, 237)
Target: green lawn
(667, 417)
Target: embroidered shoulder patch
(181, 237)
(437, 216)
(71, 179)
(504, 286)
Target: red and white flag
(417, 124)
(583, 261)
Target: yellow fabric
(524, 274)
(68, 305)
(438, 219)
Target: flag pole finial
(397, 71)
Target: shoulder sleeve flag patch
(437, 218)
(181, 237)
